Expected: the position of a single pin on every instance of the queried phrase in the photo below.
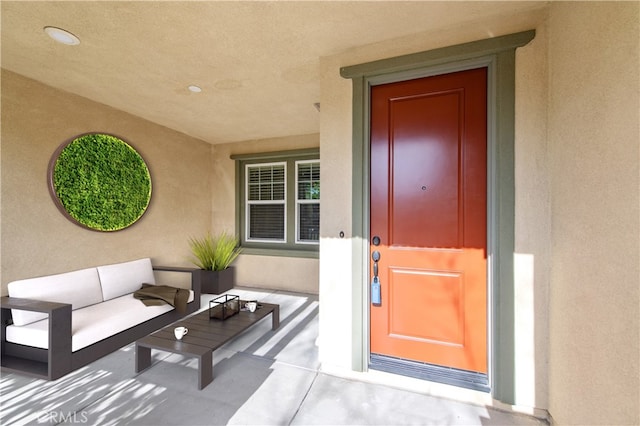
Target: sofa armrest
(7, 302)
(59, 353)
(195, 283)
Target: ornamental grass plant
(214, 253)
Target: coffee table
(205, 335)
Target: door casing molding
(498, 55)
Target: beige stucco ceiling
(257, 62)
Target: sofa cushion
(78, 288)
(92, 323)
(124, 278)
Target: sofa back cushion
(79, 288)
(124, 278)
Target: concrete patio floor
(263, 377)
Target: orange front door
(429, 212)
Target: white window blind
(266, 202)
(307, 201)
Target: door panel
(428, 206)
(425, 171)
(442, 290)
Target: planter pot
(216, 282)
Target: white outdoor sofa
(55, 324)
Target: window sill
(309, 254)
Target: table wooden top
(207, 334)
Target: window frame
(290, 247)
(247, 202)
(299, 202)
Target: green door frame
(498, 55)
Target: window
(265, 193)
(278, 202)
(307, 201)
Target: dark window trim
(289, 248)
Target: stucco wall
(532, 203)
(273, 272)
(532, 223)
(38, 240)
(594, 153)
(193, 192)
(577, 201)
(577, 208)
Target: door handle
(375, 282)
(376, 257)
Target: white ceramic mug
(180, 332)
(252, 306)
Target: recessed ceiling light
(62, 36)
(195, 89)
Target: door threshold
(433, 373)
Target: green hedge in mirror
(102, 182)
